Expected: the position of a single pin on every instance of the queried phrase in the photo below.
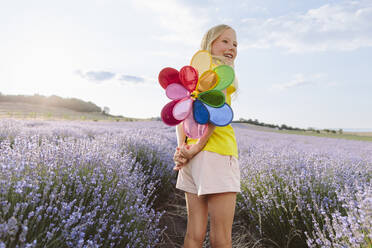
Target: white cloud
(96, 76)
(115, 78)
(131, 78)
(142, 81)
(343, 26)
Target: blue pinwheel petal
(201, 113)
(221, 116)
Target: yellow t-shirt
(222, 140)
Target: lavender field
(107, 184)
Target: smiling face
(225, 45)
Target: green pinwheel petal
(226, 75)
(213, 98)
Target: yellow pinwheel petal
(207, 81)
(201, 61)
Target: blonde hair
(210, 36)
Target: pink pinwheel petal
(176, 91)
(193, 129)
(167, 114)
(182, 109)
(189, 77)
(168, 76)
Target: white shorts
(209, 173)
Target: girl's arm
(178, 159)
(190, 151)
(204, 139)
(181, 136)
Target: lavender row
(83, 184)
(303, 191)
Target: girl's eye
(224, 41)
(235, 45)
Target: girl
(208, 167)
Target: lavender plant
(291, 187)
(352, 229)
(101, 184)
(155, 154)
(71, 185)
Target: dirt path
(175, 218)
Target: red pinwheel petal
(168, 76)
(193, 129)
(167, 114)
(189, 77)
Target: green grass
(329, 135)
(30, 111)
(322, 134)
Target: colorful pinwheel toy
(197, 100)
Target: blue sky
(300, 63)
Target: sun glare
(39, 66)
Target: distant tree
(283, 126)
(106, 110)
(56, 101)
(340, 131)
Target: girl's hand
(178, 167)
(179, 159)
(189, 151)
